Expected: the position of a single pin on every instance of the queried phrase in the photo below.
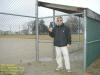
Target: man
(62, 41)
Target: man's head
(59, 20)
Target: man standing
(62, 41)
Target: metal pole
(37, 35)
(79, 30)
(53, 26)
(85, 33)
(3, 13)
(10, 30)
(19, 29)
(61, 15)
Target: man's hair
(59, 17)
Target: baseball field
(21, 50)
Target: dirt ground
(95, 67)
(22, 52)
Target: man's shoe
(69, 71)
(59, 68)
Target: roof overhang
(62, 8)
(70, 9)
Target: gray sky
(23, 7)
(27, 7)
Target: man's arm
(68, 36)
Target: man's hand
(68, 46)
(50, 29)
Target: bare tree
(43, 29)
(31, 27)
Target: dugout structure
(91, 27)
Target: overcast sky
(27, 7)
(21, 7)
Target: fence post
(85, 33)
(37, 35)
(53, 26)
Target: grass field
(75, 37)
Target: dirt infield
(15, 49)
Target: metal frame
(85, 42)
(3, 13)
(37, 34)
(74, 14)
(93, 41)
(53, 51)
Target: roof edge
(92, 14)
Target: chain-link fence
(17, 17)
(17, 21)
(16, 24)
(75, 23)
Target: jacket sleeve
(68, 35)
(52, 34)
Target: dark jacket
(62, 35)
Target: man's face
(59, 21)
